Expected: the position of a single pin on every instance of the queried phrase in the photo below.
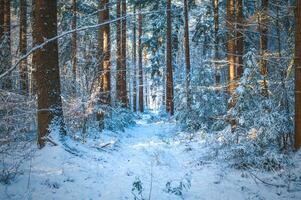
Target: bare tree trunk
(140, 48)
(2, 66)
(1, 23)
(240, 38)
(169, 70)
(33, 75)
(231, 46)
(121, 71)
(216, 41)
(134, 63)
(6, 63)
(187, 54)
(48, 74)
(74, 46)
(263, 29)
(298, 77)
(24, 86)
(123, 52)
(105, 48)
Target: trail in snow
(152, 151)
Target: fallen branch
(265, 182)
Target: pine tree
(134, 63)
(263, 30)
(240, 38)
(105, 50)
(169, 70)
(74, 45)
(24, 86)
(121, 70)
(6, 46)
(231, 46)
(140, 49)
(187, 54)
(2, 67)
(298, 77)
(215, 4)
(48, 74)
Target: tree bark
(105, 48)
(216, 41)
(231, 46)
(240, 38)
(140, 48)
(6, 46)
(74, 45)
(121, 71)
(24, 86)
(134, 63)
(169, 70)
(48, 74)
(123, 52)
(2, 52)
(187, 55)
(263, 30)
(1, 22)
(298, 77)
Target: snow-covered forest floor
(151, 160)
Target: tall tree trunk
(48, 74)
(74, 45)
(123, 52)
(121, 71)
(231, 46)
(263, 30)
(105, 48)
(2, 66)
(1, 22)
(33, 74)
(187, 54)
(169, 70)
(140, 48)
(6, 63)
(216, 41)
(134, 63)
(298, 77)
(240, 38)
(24, 86)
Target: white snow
(156, 152)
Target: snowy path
(150, 151)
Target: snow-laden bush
(118, 118)
(263, 128)
(208, 105)
(17, 116)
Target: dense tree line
(203, 62)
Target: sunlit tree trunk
(48, 74)
(134, 63)
(169, 70)
(187, 54)
(24, 86)
(263, 30)
(140, 49)
(298, 77)
(231, 46)
(105, 49)
(74, 45)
